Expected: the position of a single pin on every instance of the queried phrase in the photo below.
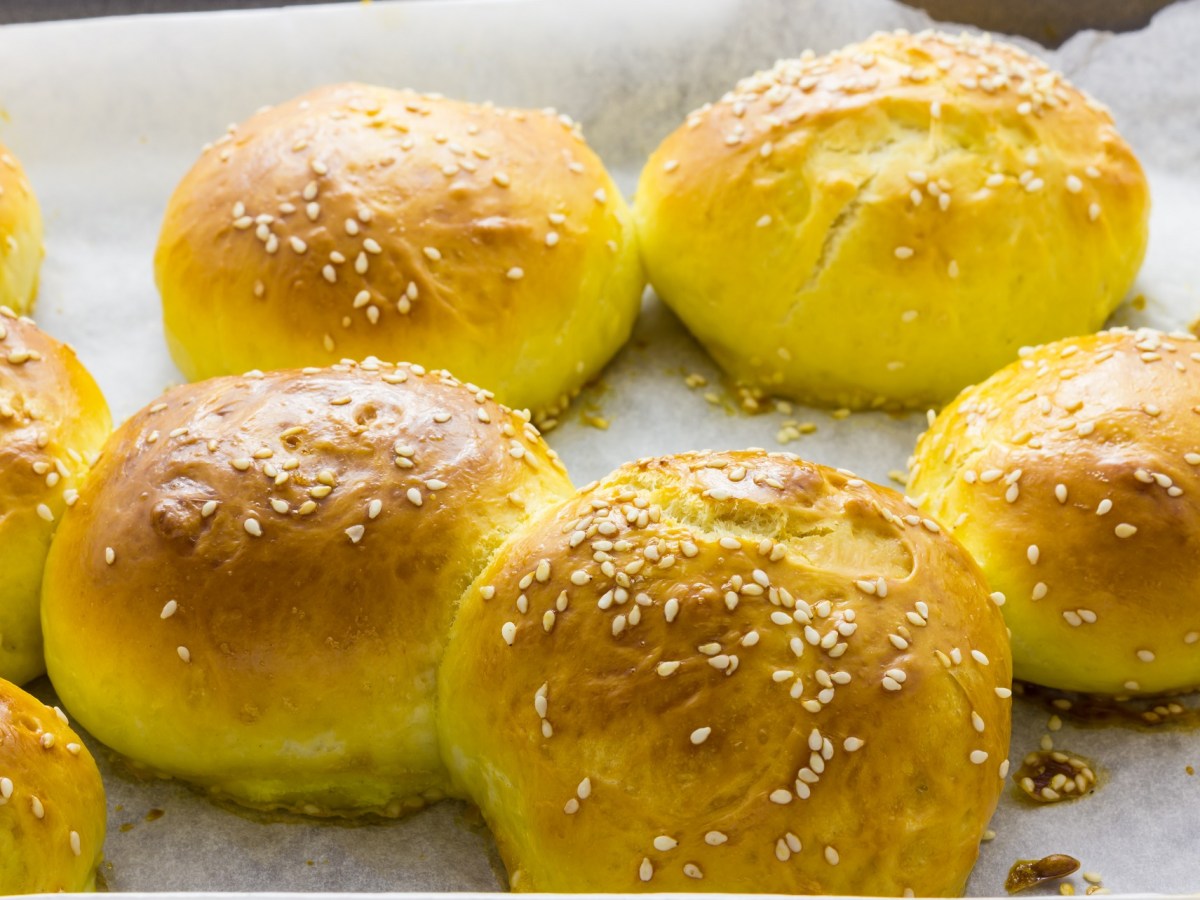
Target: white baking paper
(107, 115)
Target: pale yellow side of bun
(21, 249)
(1073, 477)
(52, 809)
(255, 588)
(358, 220)
(890, 223)
(730, 672)
(53, 420)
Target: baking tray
(108, 114)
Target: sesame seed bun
(21, 249)
(255, 588)
(731, 672)
(882, 226)
(53, 421)
(358, 220)
(52, 809)
(1072, 477)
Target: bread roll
(730, 672)
(53, 421)
(357, 220)
(255, 588)
(887, 224)
(21, 249)
(1072, 478)
(52, 809)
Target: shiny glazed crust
(255, 588)
(730, 672)
(53, 421)
(358, 220)
(1072, 477)
(887, 224)
(52, 809)
(21, 249)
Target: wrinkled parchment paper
(108, 114)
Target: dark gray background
(1047, 21)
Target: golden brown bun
(591, 744)
(53, 421)
(359, 220)
(21, 249)
(840, 228)
(1072, 478)
(256, 585)
(52, 809)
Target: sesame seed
(184, 654)
(414, 497)
(110, 555)
(715, 838)
(168, 609)
(1125, 530)
(903, 252)
(700, 735)
(508, 631)
(432, 253)
(516, 273)
(1074, 185)
(979, 757)
(1104, 507)
(355, 533)
(76, 847)
(253, 527)
(691, 870)
(979, 657)
(374, 508)
(831, 856)
(44, 512)
(1146, 656)
(1033, 554)
(665, 842)
(571, 807)
(781, 797)
(646, 870)
(1094, 212)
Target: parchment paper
(107, 115)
